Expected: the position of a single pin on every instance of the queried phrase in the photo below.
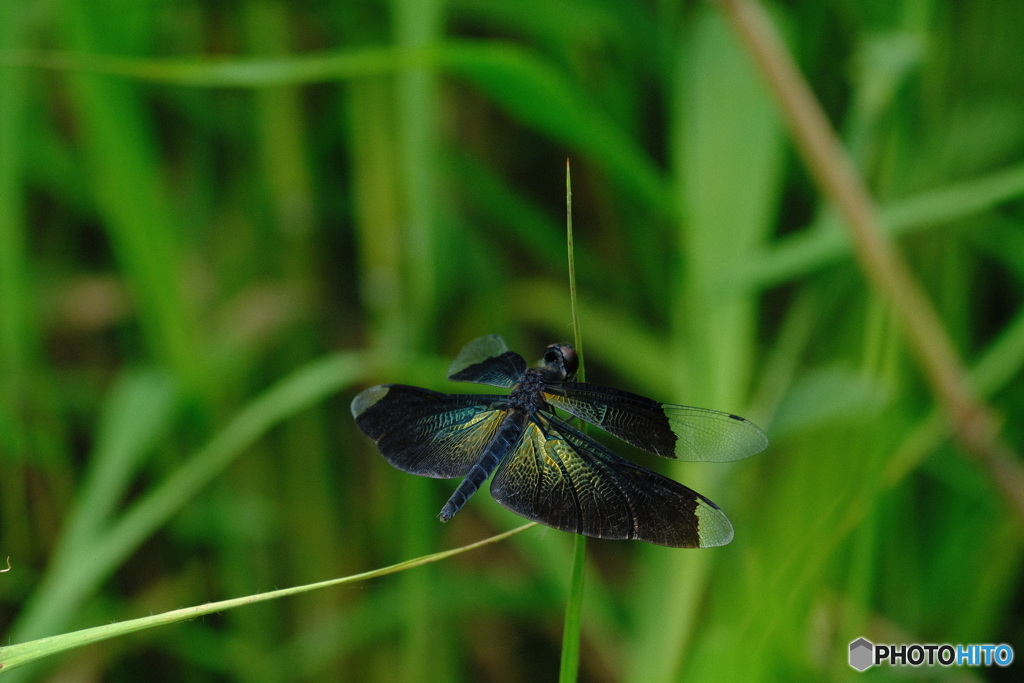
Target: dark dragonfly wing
(668, 430)
(487, 360)
(425, 432)
(558, 476)
(477, 351)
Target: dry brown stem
(973, 424)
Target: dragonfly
(545, 468)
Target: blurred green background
(219, 221)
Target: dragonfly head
(560, 362)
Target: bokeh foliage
(219, 220)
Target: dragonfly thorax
(528, 394)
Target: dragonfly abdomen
(504, 439)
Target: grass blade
(571, 630)
(65, 587)
(14, 656)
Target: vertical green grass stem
(574, 605)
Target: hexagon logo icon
(861, 654)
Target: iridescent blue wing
(662, 428)
(425, 432)
(558, 476)
(487, 360)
